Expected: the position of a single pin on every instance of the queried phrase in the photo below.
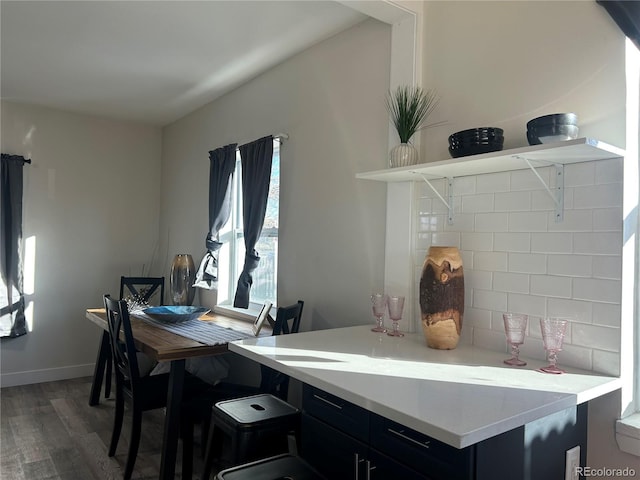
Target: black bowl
(477, 132)
(476, 140)
(553, 119)
(474, 149)
(551, 133)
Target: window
(231, 257)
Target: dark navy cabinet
(346, 442)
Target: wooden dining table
(162, 345)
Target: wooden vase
(442, 297)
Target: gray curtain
(222, 162)
(12, 321)
(256, 160)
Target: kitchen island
(460, 398)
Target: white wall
(501, 64)
(91, 201)
(330, 100)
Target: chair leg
(214, 449)
(98, 373)
(136, 427)
(108, 376)
(117, 423)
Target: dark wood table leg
(172, 421)
(98, 373)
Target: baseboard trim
(45, 375)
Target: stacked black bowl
(476, 140)
(556, 127)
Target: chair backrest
(143, 289)
(123, 349)
(287, 321)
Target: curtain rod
(280, 137)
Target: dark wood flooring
(49, 431)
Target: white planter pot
(403, 155)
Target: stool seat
(279, 467)
(258, 427)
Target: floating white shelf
(558, 153)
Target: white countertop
(459, 397)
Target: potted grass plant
(409, 107)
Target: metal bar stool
(258, 427)
(279, 467)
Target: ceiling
(151, 61)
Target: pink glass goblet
(379, 306)
(515, 326)
(395, 304)
(553, 330)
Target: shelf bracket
(448, 204)
(558, 195)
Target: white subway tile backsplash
(527, 263)
(511, 282)
(446, 239)
(527, 180)
(478, 279)
(490, 261)
(542, 201)
(597, 290)
(476, 318)
(517, 258)
(493, 182)
(529, 304)
(477, 241)
(572, 221)
(607, 219)
(492, 222)
(462, 222)
(598, 196)
(579, 174)
(512, 242)
(528, 222)
(552, 242)
(605, 266)
(489, 300)
(602, 243)
(465, 185)
(512, 201)
(477, 203)
(570, 265)
(609, 171)
(577, 310)
(606, 314)
(551, 286)
(606, 362)
(593, 336)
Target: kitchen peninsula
(465, 407)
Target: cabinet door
(381, 467)
(334, 454)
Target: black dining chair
(147, 290)
(141, 393)
(272, 383)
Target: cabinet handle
(327, 401)
(356, 465)
(405, 437)
(369, 469)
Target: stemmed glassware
(553, 330)
(515, 326)
(395, 304)
(379, 306)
